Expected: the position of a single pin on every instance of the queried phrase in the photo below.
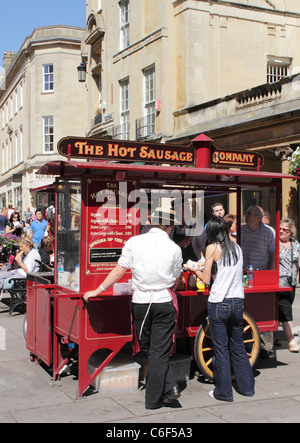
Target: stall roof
(73, 168)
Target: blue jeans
(226, 328)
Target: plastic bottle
(60, 266)
(191, 281)
(250, 277)
(77, 274)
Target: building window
(18, 199)
(17, 157)
(3, 158)
(48, 85)
(11, 107)
(21, 95)
(124, 9)
(16, 101)
(48, 133)
(124, 89)
(21, 143)
(149, 79)
(277, 68)
(6, 156)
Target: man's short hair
(216, 204)
(256, 210)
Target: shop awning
(73, 168)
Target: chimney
(8, 60)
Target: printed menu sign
(111, 221)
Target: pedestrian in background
(3, 221)
(38, 228)
(14, 225)
(289, 257)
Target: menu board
(110, 221)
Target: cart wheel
(204, 350)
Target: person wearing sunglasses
(289, 259)
(14, 226)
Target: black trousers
(155, 343)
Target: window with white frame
(21, 143)
(11, 102)
(16, 101)
(124, 34)
(149, 80)
(48, 78)
(6, 156)
(17, 157)
(124, 90)
(3, 158)
(277, 68)
(48, 133)
(21, 95)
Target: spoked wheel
(204, 349)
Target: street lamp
(81, 72)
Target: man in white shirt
(156, 263)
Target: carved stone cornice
(162, 32)
(284, 151)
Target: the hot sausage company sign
(115, 150)
(159, 153)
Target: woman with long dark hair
(224, 259)
(14, 226)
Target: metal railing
(145, 127)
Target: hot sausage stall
(104, 192)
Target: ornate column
(288, 187)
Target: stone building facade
(41, 101)
(171, 69)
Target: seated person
(46, 251)
(26, 260)
(257, 241)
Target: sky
(18, 18)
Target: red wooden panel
(30, 316)
(43, 326)
(66, 318)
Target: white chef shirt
(155, 261)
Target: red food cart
(103, 192)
